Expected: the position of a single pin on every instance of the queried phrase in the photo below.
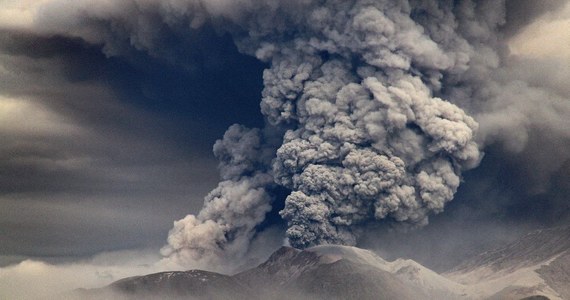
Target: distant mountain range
(535, 267)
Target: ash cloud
(373, 109)
(226, 223)
(360, 85)
(365, 137)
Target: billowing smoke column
(226, 223)
(365, 105)
(353, 85)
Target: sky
(109, 114)
(103, 154)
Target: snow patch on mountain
(407, 270)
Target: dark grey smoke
(367, 138)
(373, 109)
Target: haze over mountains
(536, 265)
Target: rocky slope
(536, 264)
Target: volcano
(536, 266)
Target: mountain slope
(332, 272)
(557, 274)
(194, 284)
(201, 284)
(324, 272)
(535, 247)
(537, 266)
(409, 272)
(346, 280)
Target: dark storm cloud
(146, 83)
(498, 202)
(103, 153)
(521, 183)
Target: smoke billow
(373, 110)
(234, 208)
(353, 83)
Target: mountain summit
(535, 266)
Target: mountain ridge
(536, 265)
(534, 247)
(538, 262)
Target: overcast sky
(104, 153)
(104, 147)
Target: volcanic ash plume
(352, 84)
(362, 106)
(365, 106)
(226, 223)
